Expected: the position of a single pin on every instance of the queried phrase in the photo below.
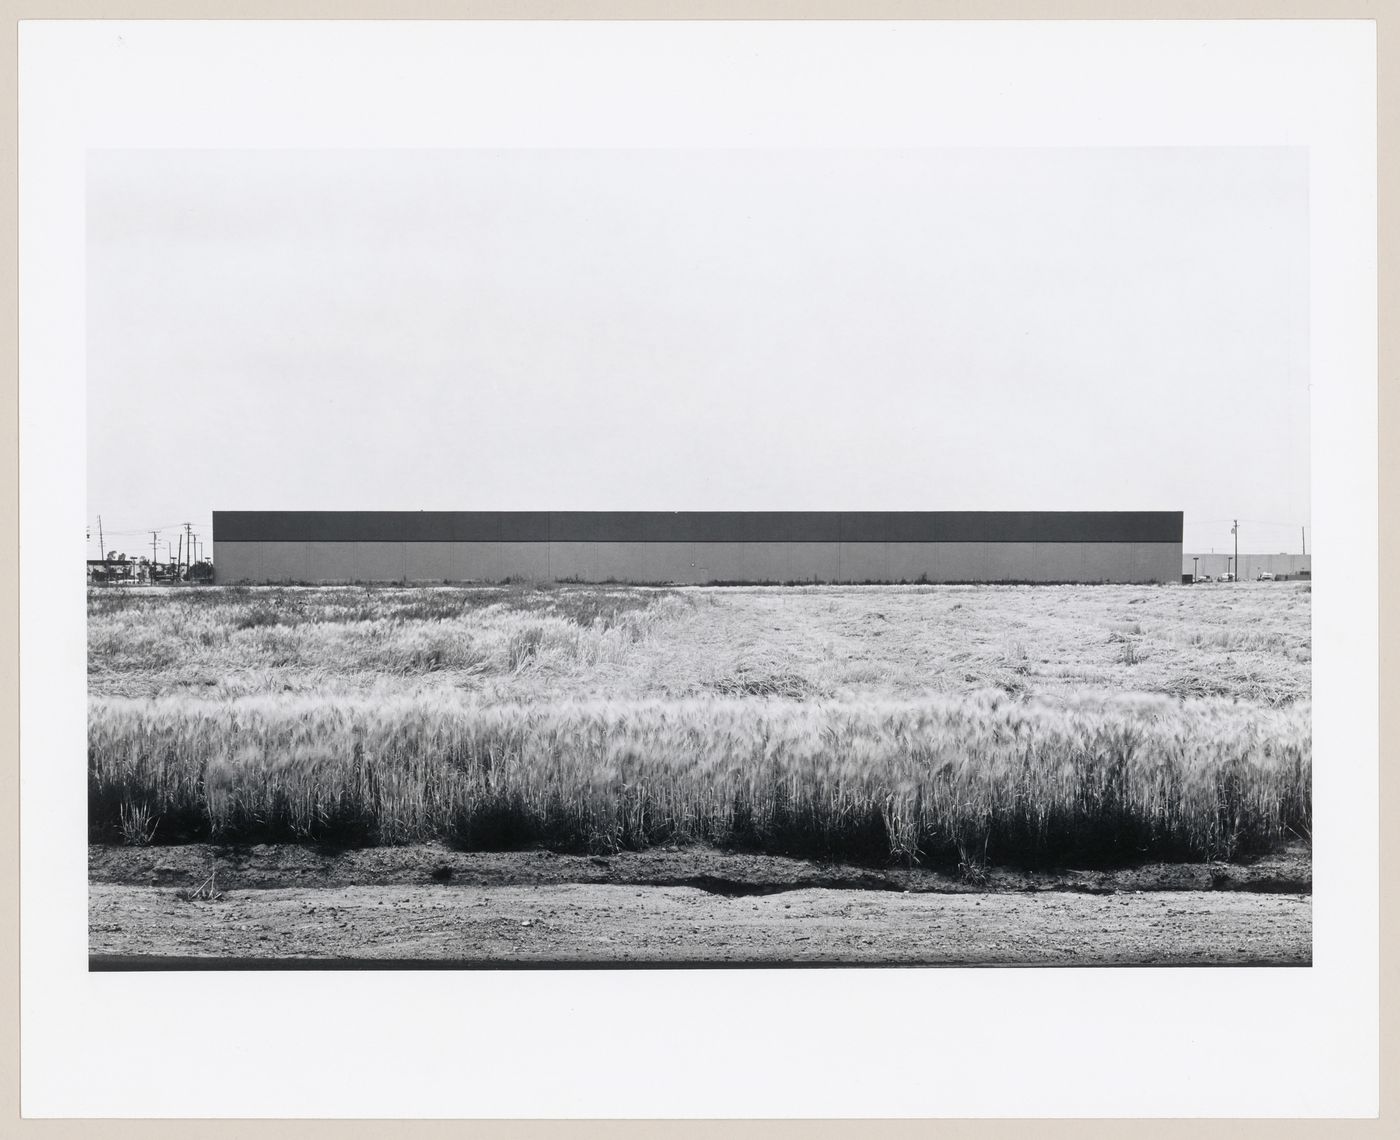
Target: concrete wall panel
(730, 562)
(1164, 560)
(428, 561)
(884, 561)
(379, 561)
(331, 561)
(742, 562)
(237, 562)
(574, 560)
(957, 561)
(1022, 562)
(529, 561)
(281, 562)
(813, 560)
(695, 563)
(476, 562)
(627, 561)
(1006, 562)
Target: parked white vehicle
(1265, 576)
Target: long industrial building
(697, 547)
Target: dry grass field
(973, 726)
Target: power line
(1260, 522)
(147, 529)
(1251, 522)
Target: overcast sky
(691, 330)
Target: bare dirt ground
(295, 906)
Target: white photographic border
(711, 1043)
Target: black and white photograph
(699, 558)
(698, 569)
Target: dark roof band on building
(698, 526)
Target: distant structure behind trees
(1282, 567)
(119, 570)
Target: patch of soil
(610, 925)
(206, 906)
(730, 874)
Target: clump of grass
(747, 682)
(1016, 659)
(206, 891)
(137, 826)
(523, 646)
(257, 617)
(1186, 685)
(972, 860)
(430, 648)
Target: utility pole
(179, 554)
(1195, 568)
(1305, 542)
(102, 542)
(187, 545)
(153, 558)
(1235, 530)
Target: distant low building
(1251, 565)
(114, 569)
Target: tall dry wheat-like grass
(336, 639)
(521, 644)
(1094, 779)
(1090, 724)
